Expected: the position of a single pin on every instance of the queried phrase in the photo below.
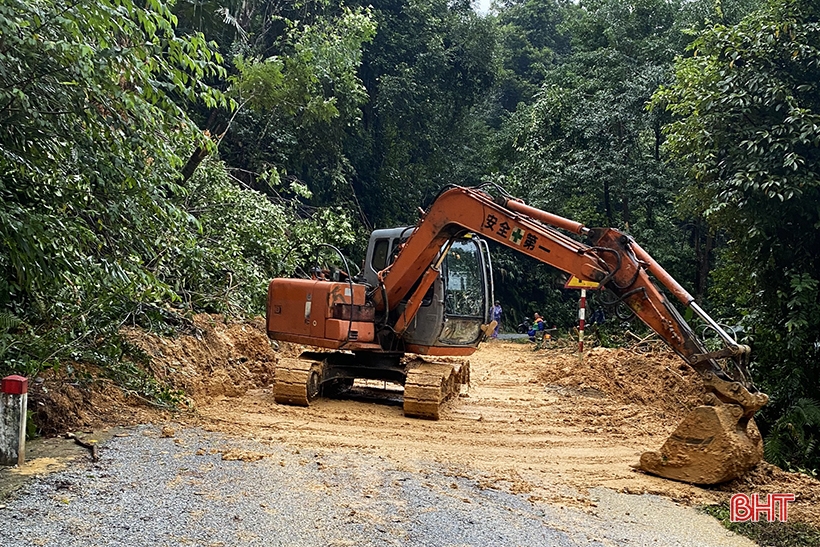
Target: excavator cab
(458, 304)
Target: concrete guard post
(13, 402)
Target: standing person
(497, 311)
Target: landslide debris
(658, 379)
(220, 358)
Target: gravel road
(183, 487)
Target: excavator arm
(717, 441)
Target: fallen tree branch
(90, 446)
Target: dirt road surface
(537, 451)
(163, 487)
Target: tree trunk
(658, 136)
(626, 213)
(703, 249)
(607, 202)
(200, 153)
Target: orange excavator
(423, 302)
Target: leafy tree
(301, 103)
(642, 30)
(586, 147)
(293, 72)
(240, 239)
(702, 14)
(97, 226)
(90, 98)
(532, 39)
(426, 72)
(748, 130)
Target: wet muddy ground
(537, 451)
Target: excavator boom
(719, 440)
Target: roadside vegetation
(160, 159)
(776, 534)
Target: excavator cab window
(380, 252)
(465, 293)
(464, 290)
(382, 249)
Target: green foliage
(774, 534)
(644, 30)
(82, 89)
(792, 440)
(96, 228)
(747, 112)
(317, 80)
(241, 240)
(532, 36)
(31, 427)
(526, 286)
(90, 95)
(426, 72)
(702, 14)
(586, 147)
(298, 103)
(133, 376)
(756, 81)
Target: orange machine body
(322, 313)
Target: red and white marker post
(13, 402)
(582, 311)
(576, 283)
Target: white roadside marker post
(582, 310)
(13, 403)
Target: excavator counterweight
(427, 290)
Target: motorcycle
(524, 326)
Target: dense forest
(166, 158)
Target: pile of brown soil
(217, 358)
(221, 358)
(659, 380)
(69, 400)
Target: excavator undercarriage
(427, 384)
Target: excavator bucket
(713, 444)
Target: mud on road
(508, 424)
(166, 486)
(542, 426)
(539, 423)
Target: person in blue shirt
(497, 311)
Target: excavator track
(297, 381)
(429, 385)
